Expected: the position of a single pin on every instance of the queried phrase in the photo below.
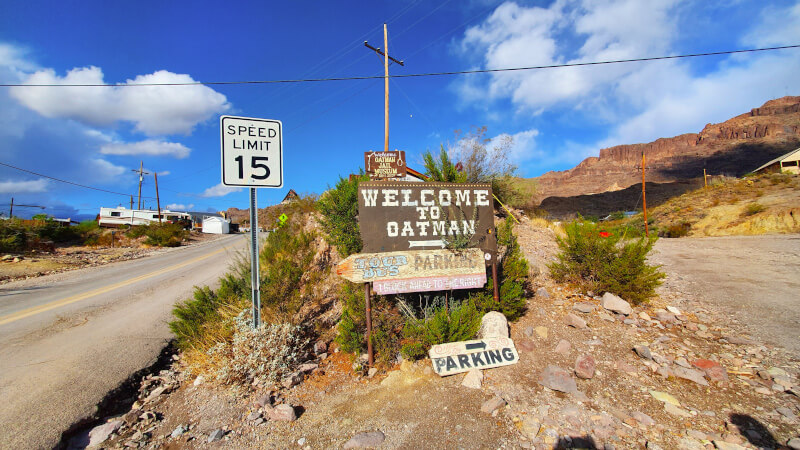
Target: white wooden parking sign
(252, 152)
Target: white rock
(673, 310)
(493, 324)
(613, 303)
(473, 379)
(100, 433)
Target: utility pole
(158, 200)
(644, 200)
(11, 210)
(386, 59)
(131, 202)
(141, 172)
(705, 178)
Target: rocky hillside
(733, 147)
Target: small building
(197, 218)
(789, 162)
(291, 196)
(216, 225)
(119, 216)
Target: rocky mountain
(734, 147)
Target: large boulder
(493, 324)
(613, 303)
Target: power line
(415, 75)
(65, 181)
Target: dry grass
(760, 204)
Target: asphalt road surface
(68, 339)
(755, 279)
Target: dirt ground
(37, 263)
(752, 279)
(661, 400)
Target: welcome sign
(396, 215)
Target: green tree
(339, 209)
(442, 169)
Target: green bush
(13, 236)
(438, 326)
(442, 169)
(339, 209)
(191, 315)
(513, 276)
(165, 235)
(287, 255)
(606, 264)
(387, 324)
(676, 230)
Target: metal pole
(11, 210)
(496, 288)
(705, 178)
(158, 200)
(644, 200)
(255, 279)
(368, 300)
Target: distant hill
(734, 147)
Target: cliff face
(733, 147)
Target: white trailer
(216, 225)
(117, 217)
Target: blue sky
(556, 117)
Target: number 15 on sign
(252, 152)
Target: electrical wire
(68, 182)
(416, 75)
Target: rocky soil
(594, 372)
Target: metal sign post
(255, 281)
(252, 156)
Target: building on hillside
(789, 162)
(291, 196)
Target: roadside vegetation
(41, 233)
(602, 261)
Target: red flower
(605, 234)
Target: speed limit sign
(252, 152)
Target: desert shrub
(676, 230)
(513, 277)
(339, 209)
(191, 315)
(442, 169)
(387, 324)
(438, 325)
(606, 264)
(13, 236)
(286, 255)
(752, 209)
(267, 353)
(779, 178)
(164, 235)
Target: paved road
(756, 279)
(68, 339)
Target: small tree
(442, 169)
(339, 210)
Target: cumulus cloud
(154, 110)
(103, 169)
(148, 147)
(23, 187)
(179, 207)
(636, 102)
(219, 191)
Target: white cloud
(100, 168)
(148, 147)
(636, 102)
(23, 187)
(154, 110)
(179, 207)
(219, 191)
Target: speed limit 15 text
(247, 133)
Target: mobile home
(116, 217)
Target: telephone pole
(141, 172)
(386, 59)
(158, 200)
(644, 200)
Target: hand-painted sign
(395, 215)
(369, 267)
(457, 357)
(428, 284)
(382, 165)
